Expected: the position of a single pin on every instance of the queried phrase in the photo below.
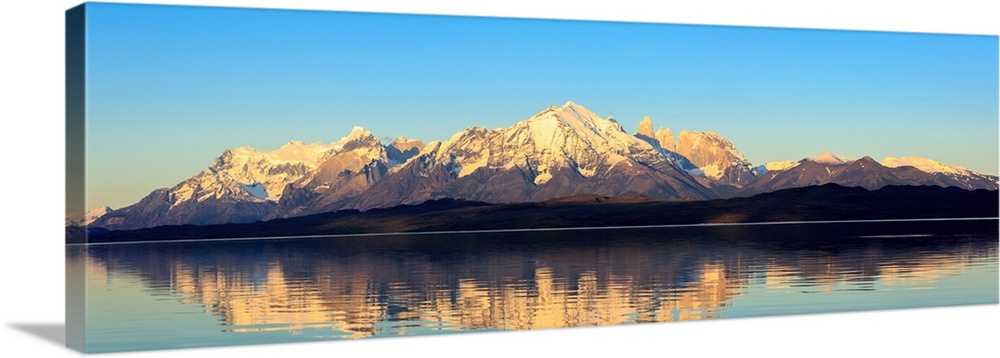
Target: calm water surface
(174, 295)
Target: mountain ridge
(559, 152)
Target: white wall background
(31, 197)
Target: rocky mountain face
(715, 157)
(645, 128)
(665, 138)
(559, 152)
(703, 154)
(402, 149)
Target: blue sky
(169, 88)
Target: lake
(195, 294)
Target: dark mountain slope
(816, 203)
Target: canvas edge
(75, 147)
(75, 172)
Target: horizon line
(487, 231)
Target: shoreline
(486, 231)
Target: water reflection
(420, 284)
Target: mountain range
(562, 151)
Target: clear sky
(170, 88)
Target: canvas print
(249, 176)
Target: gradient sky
(169, 88)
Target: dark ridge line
(402, 233)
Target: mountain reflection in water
(292, 290)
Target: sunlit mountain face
(561, 151)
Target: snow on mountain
(828, 168)
(772, 166)
(828, 158)
(567, 137)
(340, 176)
(262, 175)
(782, 165)
(560, 151)
(924, 164)
(80, 219)
(96, 213)
(952, 175)
(244, 184)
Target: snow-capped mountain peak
(580, 117)
(358, 131)
(924, 165)
(96, 213)
(568, 137)
(559, 151)
(827, 158)
(262, 175)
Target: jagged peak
(646, 127)
(665, 138)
